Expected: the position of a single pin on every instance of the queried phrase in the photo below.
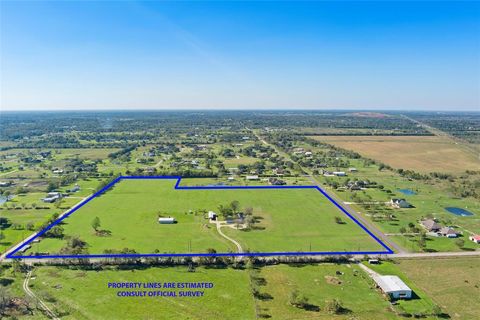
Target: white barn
(168, 220)
(393, 286)
(212, 215)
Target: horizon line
(392, 109)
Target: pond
(459, 211)
(407, 192)
(4, 199)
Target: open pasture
(287, 220)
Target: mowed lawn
(72, 292)
(419, 153)
(454, 283)
(289, 220)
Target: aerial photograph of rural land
(244, 160)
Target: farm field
(418, 153)
(454, 284)
(68, 291)
(288, 220)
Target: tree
(234, 205)
(338, 220)
(225, 211)
(334, 306)
(437, 311)
(298, 300)
(248, 211)
(5, 298)
(460, 243)
(403, 230)
(51, 186)
(55, 232)
(96, 223)
(422, 242)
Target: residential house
(431, 225)
(276, 182)
(400, 203)
(448, 232)
(52, 197)
(475, 238)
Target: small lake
(4, 199)
(407, 192)
(459, 211)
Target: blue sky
(166, 55)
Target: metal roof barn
(394, 287)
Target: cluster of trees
(123, 154)
(75, 245)
(299, 300)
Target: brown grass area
(419, 153)
(454, 283)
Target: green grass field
(289, 220)
(321, 283)
(453, 284)
(70, 293)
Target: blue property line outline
(178, 187)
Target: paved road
(417, 255)
(3, 256)
(436, 254)
(42, 304)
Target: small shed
(168, 220)
(254, 177)
(393, 286)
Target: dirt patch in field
(333, 280)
